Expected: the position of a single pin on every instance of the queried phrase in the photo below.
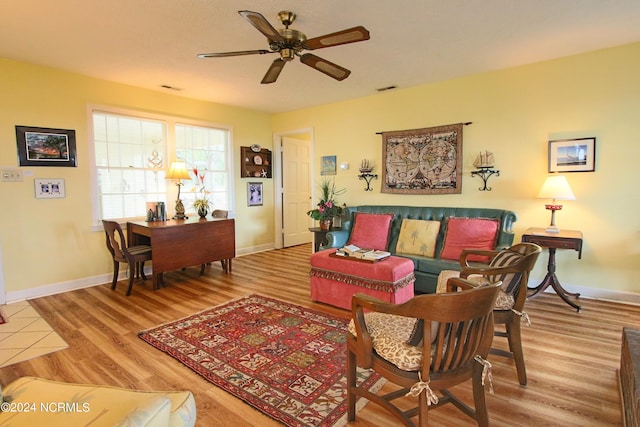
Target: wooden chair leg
(116, 270)
(202, 269)
(131, 279)
(482, 414)
(144, 276)
(515, 344)
(423, 410)
(351, 383)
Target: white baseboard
(57, 288)
(612, 295)
(72, 285)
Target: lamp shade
(556, 187)
(178, 170)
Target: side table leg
(552, 280)
(546, 282)
(548, 279)
(564, 294)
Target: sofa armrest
(336, 239)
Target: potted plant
(201, 204)
(327, 208)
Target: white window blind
(205, 150)
(133, 153)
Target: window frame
(171, 121)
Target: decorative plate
(255, 148)
(257, 160)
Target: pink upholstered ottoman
(335, 280)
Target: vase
(203, 211)
(325, 224)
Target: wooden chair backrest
(116, 243)
(220, 213)
(464, 319)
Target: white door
(296, 191)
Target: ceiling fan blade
(238, 53)
(324, 66)
(262, 25)
(274, 71)
(351, 35)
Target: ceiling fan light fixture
(287, 54)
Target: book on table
(362, 253)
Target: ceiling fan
(290, 43)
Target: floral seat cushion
(389, 336)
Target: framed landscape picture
(328, 165)
(572, 155)
(46, 146)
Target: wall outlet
(11, 175)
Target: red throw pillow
(469, 233)
(371, 230)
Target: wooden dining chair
(426, 345)
(225, 263)
(512, 266)
(134, 256)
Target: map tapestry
(423, 161)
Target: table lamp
(555, 187)
(178, 170)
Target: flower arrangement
(201, 203)
(327, 208)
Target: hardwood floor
(571, 358)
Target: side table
(565, 239)
(320, 237)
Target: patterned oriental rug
(287, 361)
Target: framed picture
(572, 155)
(254, 194)
(423, 161)
(46, 147)
(328, 166)
(49, 188)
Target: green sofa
(426, 269)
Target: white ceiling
(150, 43)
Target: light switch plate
(11, 175)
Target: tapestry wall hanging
(423, 161)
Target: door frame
(277, 176)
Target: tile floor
(25, 335)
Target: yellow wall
(47, 242)
(514, 113)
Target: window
(205, 150)
(132, 153)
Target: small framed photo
(46, 146)
(328, 166)
(254, 194)
(49, 188)
(572, 155)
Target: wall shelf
(368, 177)
(485, 173)
(255, 164)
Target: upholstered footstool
(334, 280)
